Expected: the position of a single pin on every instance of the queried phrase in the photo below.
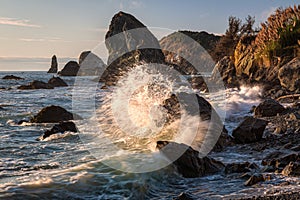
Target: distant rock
(187, 160)
(268, 108)
(57, 82)
(289, 75)
(250, 130)
(130, 48)
(53, 114)
(60, 128)
(90, 64)
(12, 77)
(70, 69)
(36, 85)
(54, 65)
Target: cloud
(17, 22)
(130, 4)
(48, 39)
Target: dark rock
(12, 77)
(240, 167)
(22, 121)
(292, 169)
(250, 130)
(256, 178)
(54, 65)
(289, 75)
(36, 85)
(60, 128)
(187, 160)
(70, 69)
(278, 160)
(268, 108)
(184, 196)
(130, 48)
(53, 114)
(57, 82)
(90, 64)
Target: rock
(289, 75)
(90, 64)
(250, 130)
(240, 167)
(60, 128)
(187, 160)
(36, 85)
(22, 121)
(278, 160)
(292, 169)
(53, 114)
(268, 108)
(256, 178)
(225, 71)
(70, 69)
(184, 196)
(54, 65)
(130, 48)
(12, 77)
(57, 82)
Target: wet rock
(240, 167)
(54, 65)
(256, 178)
(292, 169)
(184, 196)
(278, 160)
(36, 85)
(289, 75)
(57, 82)
(187, 160)
(22, 121)
(70, 69)
(130, 48)
(12, 77)
(250, 130)
(53, 114)
(268, 108)
(60, 128)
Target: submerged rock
(53, 114)
(57, 82)
(187, 160)
(54, 65)
(268, 108)
(36, 85)
(60, 128)
(12, 77)
(250, 130)
(70, 69)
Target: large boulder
(60, 128)
(250, 130)
(53, 114)
(12, 77)
(36, 85)
(127, 47)
(187, 160)
(289, 75)
(90, 64)
(70, 69)
(268, 108)
(54, 65)
(57, 82)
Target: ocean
(65, 166)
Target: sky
(34, 30)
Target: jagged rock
(90, 64)
(54, 65)
(12, 77)
(53, 114)
(292, 169)
(60, 128)
(268, 108)
(278, 160)
(70, 69)
(289, 75)
(256, 178)
(225, 71)
(57, 82)
(36, 85)
(240, 167)
(184, 196)
(250, 130)
(187, 160)
(130, 48)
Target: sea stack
(54, 65)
